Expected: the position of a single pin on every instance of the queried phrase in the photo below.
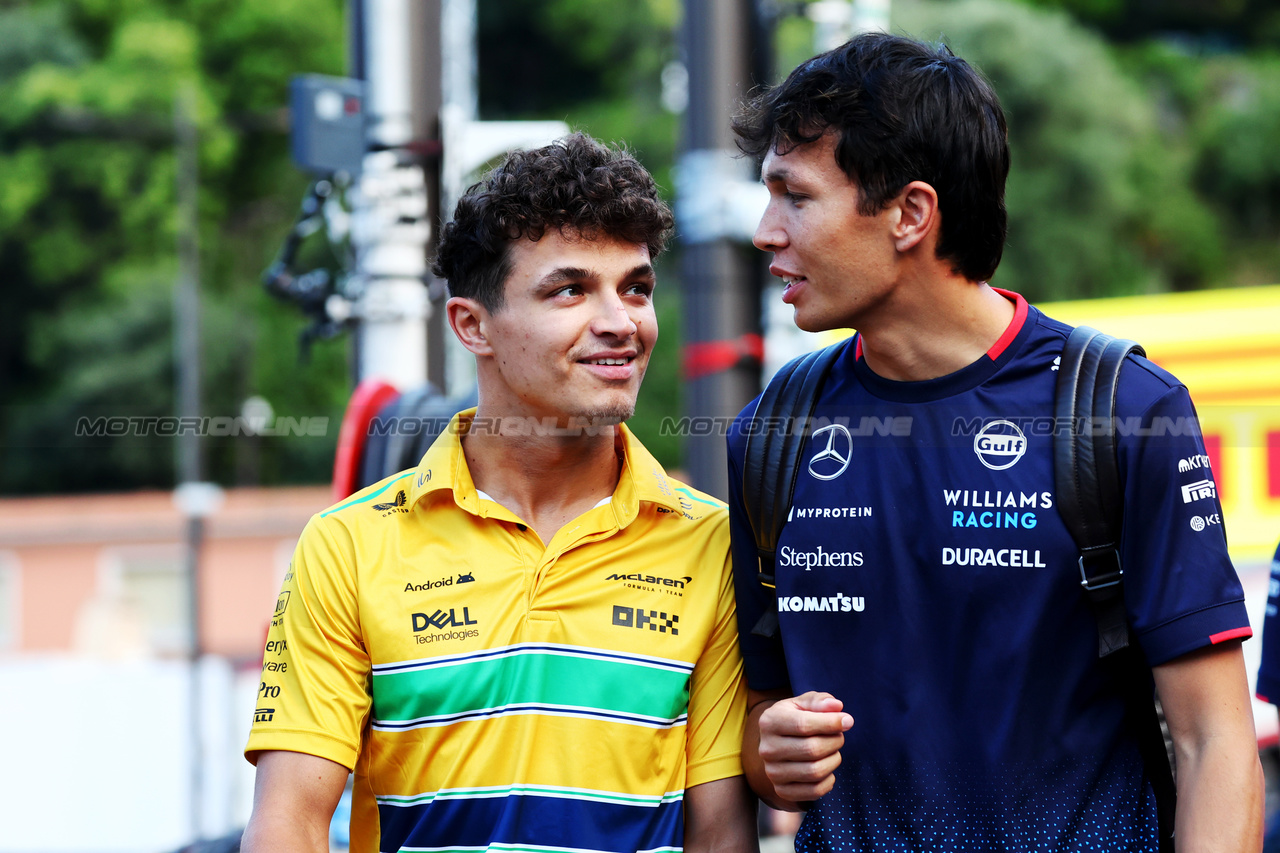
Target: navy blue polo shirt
(926, 580)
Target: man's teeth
(790, 280)
(611, 361)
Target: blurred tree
(1100, 198)
(1215, 24)
(87, 229)
(87, 219)
(1239, 163)
(1225, 108)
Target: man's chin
(609, 415)
(806, 323)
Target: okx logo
(638, 617)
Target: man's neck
(546, 480)
(935, 330)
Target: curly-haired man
(528, 642)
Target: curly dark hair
(902, 111)
(575, 184)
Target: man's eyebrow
(778, 173)
(564, 275)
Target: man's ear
(469, 321)
(918, 215)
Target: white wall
(97, 753)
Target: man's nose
(614, 319)
(769, 236)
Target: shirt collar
(444, 466)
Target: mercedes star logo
(830, 463)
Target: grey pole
(426, 58)
(716, 211)
(186, 342)
(186, 304)
(390, 224)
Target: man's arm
(791, 746)
(1205, 696)
(720, 817)
(294, 796)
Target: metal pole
(186, 331)
(460, 102)
(391, 228)
(718, 271)
(186, 316)
(427, 54)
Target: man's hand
(792, 746)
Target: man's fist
(800, 741)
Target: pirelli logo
(638, 617)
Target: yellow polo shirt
(491, 691)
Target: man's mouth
(609, 360)
(612, 368)
(789, 285)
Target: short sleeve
(1181, 591)
(314, 693)
(717, 695)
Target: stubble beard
(614, 412)
(610, 415)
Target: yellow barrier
(1225, 346)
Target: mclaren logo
(833, 457)
(652, 583)
(652, 580)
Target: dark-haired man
(933, 681)
(528, 641)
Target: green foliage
(1239, 164)
(88, 229)
(1224, 109)
(88, 223)
(548, 57)
(1099, 197)
(1230, 24)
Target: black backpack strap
(1087, 480)
(772, 459)
(1086, 472)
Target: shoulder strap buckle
(1111, 575)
